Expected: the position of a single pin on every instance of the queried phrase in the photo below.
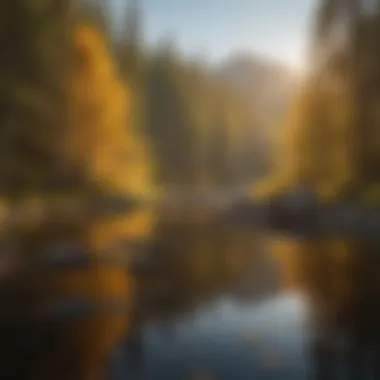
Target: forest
(136, 116)
(87, 108)
(187, 125)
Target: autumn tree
(332, 144)
(88, 128)
(100, 136)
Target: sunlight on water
(224, 341)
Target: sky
(213, 29)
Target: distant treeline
(331, 140)
(200, 129)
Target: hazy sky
(214, 28)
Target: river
(238, 304)
(205, 300)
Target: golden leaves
(100, 135)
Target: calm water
(241, 306)
(228, 340)
(208, 301)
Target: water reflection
(205, 289)
(204, 301)
(339, 278)
(233, 304)
(227, 341)
(195, 261)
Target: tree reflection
(191, 260)
(340, 279)
(196, 260)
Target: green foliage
(332, 134)
(34, 40)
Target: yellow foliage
(316, 147)
(105, 143)
(84, 343)
(101, 141)
(100, 136)
(294, 161)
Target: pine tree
(170, 124)
(35, 51)
(130, 54)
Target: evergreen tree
(35, 45)
(170, 122)
(130, 42)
